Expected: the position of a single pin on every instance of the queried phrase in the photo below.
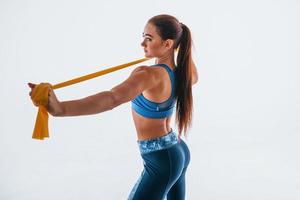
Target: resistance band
(41, 91)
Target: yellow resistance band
(41, 91)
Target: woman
(160, 86)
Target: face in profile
(152, 43)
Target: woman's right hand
(54, 107)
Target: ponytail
(168, 27)
(183, 72)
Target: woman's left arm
(194, 73)
(142, 78)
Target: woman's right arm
(142, 78)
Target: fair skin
(153, 82)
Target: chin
(148, 55)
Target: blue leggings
(165, 163)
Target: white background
(245, 136)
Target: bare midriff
(148, 128)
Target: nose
(143, 43)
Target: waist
(158, 143)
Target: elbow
(194, 79)
(116, 99)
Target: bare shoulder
(150, 71)
(141, 78)
(147, 73)
(156, 72)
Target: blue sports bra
(150, 109)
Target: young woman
(153, 91)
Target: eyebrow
(147, 35)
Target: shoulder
(154, 71)
(144, 69)
(145, 76)
(147, 72)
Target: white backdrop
(245, 134)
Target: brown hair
(168, 27)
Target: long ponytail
(169, 27)
(183, 72)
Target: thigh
(154, 179)
(177, 190)
(148, 188)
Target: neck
(166, 59)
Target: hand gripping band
(41, 92)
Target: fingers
(40, 93)
(31, 85)
(51, 92)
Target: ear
(169, 43)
